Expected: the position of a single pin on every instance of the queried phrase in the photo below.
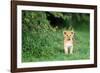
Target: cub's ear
(72, 32)
(64, 32)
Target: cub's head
(68, 35)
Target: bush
(42, 37)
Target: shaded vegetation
(42, 35)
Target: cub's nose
(68, 39)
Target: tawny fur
(68, 42)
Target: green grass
(42, 41)
(48, 46)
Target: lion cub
(68, 42)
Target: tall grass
(42, 42)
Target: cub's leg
(71, 50)
(66, 50)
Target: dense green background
(42, 35)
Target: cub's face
(68, 35)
